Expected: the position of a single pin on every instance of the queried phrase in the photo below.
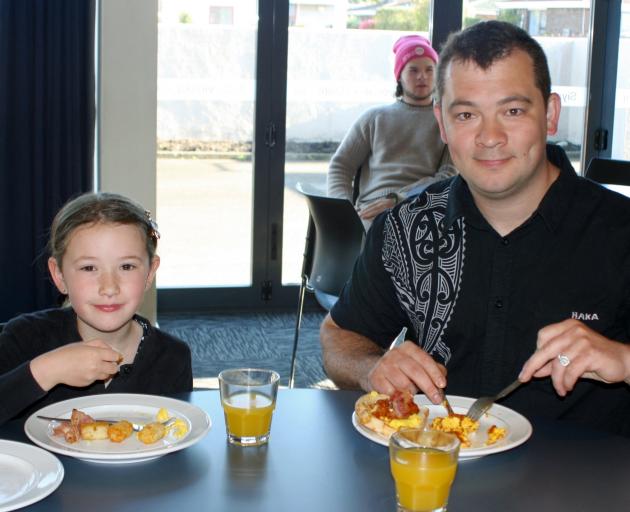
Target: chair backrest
(609, 172)
(336, 242)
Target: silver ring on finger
(564, 360)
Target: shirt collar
(460, 203)
(556, 202)
(551, 209)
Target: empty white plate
(27, 474)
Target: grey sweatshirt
(398, 148)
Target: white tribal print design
(425, 263)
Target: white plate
(27, 474)
(135, 408)
(519, 429)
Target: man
(396, 148)
(515, 268)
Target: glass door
(205, 133)
(254, 96)
(220, 81)
(340, 63)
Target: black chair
(609, 172)
(334, 239)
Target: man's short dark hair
(487, 42)
(398, 93)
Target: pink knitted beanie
(410, 47)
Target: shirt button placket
(496, 321)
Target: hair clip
(153, 233)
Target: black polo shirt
(475, 300)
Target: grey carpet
(262, 340)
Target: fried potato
(94, 431)
(162, 415)
(119, 431)
(151, 433)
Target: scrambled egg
(460, 425)
(412, 421)
(179, 428)
(495, 433)
(463, 427)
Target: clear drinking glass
(423, 465)
(248, 397)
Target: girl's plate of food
(27, 474)
(378, 416)
(117, 428)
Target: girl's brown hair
(101, 207)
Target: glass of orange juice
(423, 465)
(248, 397)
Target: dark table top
(316, 461)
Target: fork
(137, 427)
(446, 404)
(481, 405)
(399, 340)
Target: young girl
(103, 259)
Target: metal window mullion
(269, 146)
(261, 150)
(444, 18)
(602, 76)
(277, 152)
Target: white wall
(127, 105)
(207, 81)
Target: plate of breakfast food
(27, 474)
(117, 428)
(377, 416)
